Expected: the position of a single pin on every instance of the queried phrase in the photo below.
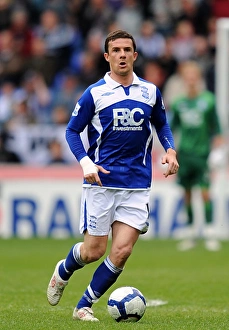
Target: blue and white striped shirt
(119, 125)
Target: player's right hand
(94, 177)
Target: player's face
(191, 77)
(121, 56)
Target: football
(126, 304)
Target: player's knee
(121, 254)
(125, 252)
(91, 255)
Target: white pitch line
(155, 303)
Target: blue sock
(71, 263)
(104, 276)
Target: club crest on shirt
(145, 93)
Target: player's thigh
(132, 208)
(185, 173)
(202, 176)
(193, 171)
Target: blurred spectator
(7, 91)
(210, 78)
(129, 17)
(94, 14)
(202, 54)
(56, 155)
(173, 87)
(197, 12)
(167, 59)
(94, 44)
(60, 115)
(89, 65)
(38, 96)
(155, 73)
(36, 8)
(163, 12)
(76, 9)
(151, 44)
(115, 4)
(90, 62)
(66, 91)
(146, 6)
(7, 155)
(12, 64)
(5, 12)
(22, 114)
(112, 26)
(183, 41)
(88, 68)
(22, 32)
(211, 37)
(211, 40)
(31, 102)
(52, 45)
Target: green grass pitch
(195, 285)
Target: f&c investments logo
(128, 120)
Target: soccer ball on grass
(126, 304)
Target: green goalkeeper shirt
(196, 122)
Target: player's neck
(123, 80)
(192, 93)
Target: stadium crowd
(50, 51)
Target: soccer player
(194, 118)
(118, 113)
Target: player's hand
(94, 177)
(170, 159)
(90, 171)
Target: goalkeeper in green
(195, 121)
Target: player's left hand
(170, 159)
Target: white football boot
(189, 239)
(56, 286)
(84, 314)
(210, 236)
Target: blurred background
(50, 51)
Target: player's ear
(106, 56)
(135, 55)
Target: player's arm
(215, 127)
(81, 117)
(218, 154)
(165, 136)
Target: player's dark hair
(119, 34)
